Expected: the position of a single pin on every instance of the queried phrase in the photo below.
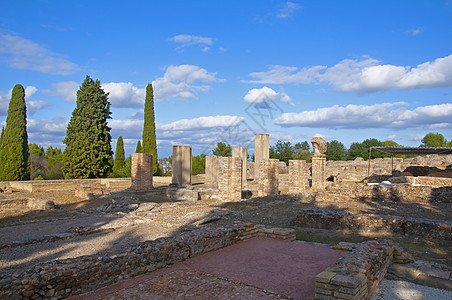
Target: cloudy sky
(225, 70)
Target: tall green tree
(222, 149)
(120, 163)
(434, 140)
(149, 140)
(198, 164)
(138, 148)
(14, 163)
(336, 151)
(282, 151)
(88, 151)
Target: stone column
(298, 179)
(181, 166)
(318, 163)
(212, 171)
(261, 147)
(141, 170)
(242, 153)
(230, 178)
(267, 179)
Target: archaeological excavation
(372, 219)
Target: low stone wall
(26, 203)
(51, 185)
(358, 275)
(183, 194)
(65, 278)
(318, 217)
(429, 181)
(397, 193)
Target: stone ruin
(235, 178)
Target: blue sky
(224, 70)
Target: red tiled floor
(245, 270)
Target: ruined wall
(343, 192)
(73, 276)
(357, 170)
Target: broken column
(212, 171)
(230, 178)
(141, 171)
(297, 174)
(318, 163)
(181, 166)
(261, 147)
(267, 178)
(242, 153)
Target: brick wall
(141, 170)
(230, 178)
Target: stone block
(181, 163)
(325, 277)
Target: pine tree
(88, 142)
(149, 141)
(118, 167)
(14, 163)
(138, 149)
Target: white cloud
(288, 10)
(65, 89)
(21, 53)
(35, 105)
(47, 132)
(416, 137)
(32, 105)
(384, 115)
(4, 102)
(416, 31)
(202, 123)
(266, 94)
(365, 75)
(186, 40)
(179, 82)
(124, 94)
(29, 91)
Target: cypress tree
(1, 136)
(118, 167)
(14, 163)
(138, 149)
(88, 151)
(149, 141)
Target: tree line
(88, 152)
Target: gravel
(403, 290)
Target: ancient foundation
(212, 171)
(242, 153)
(318, 172)
(142, 171)
(181, 166)
(230, 178)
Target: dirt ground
(115, 223)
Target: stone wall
(267, 178)
(27, 203)
(317, 217)
(359, 169)
(230, 178)
(69, 277)
(212, 171)
(358, 275)
(398, 193)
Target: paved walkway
(256, 269)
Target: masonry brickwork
(141, 171)
(230, 178)
(268, 177)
